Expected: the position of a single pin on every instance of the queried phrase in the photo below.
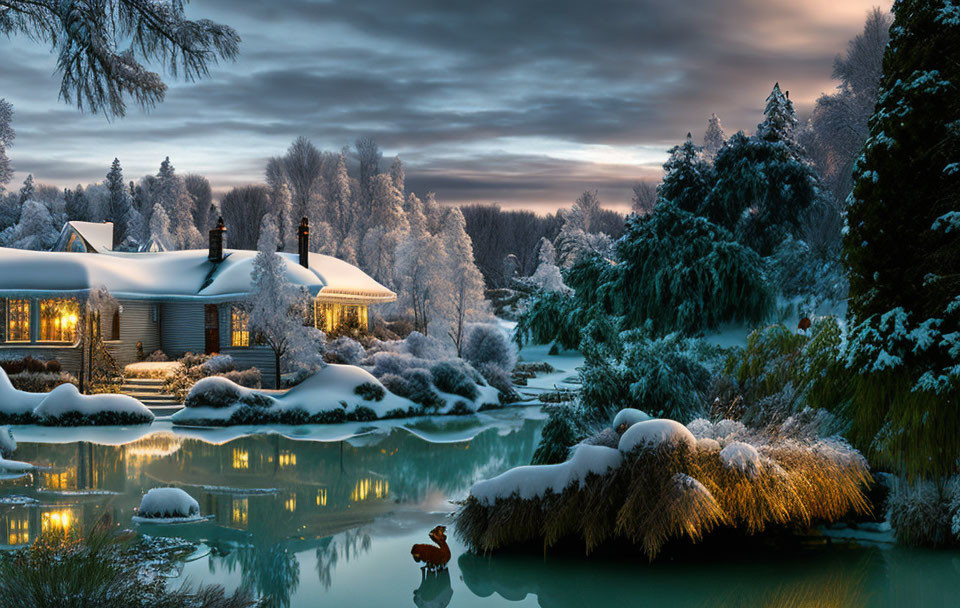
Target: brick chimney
(303, 242)
(216, 242)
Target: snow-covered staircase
(149, 391)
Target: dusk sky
(524, 103)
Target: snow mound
(725, 429)
(167, 504)
(656, 433)
(742, 457)
(334, 383)
(701, 428)
(629, 416)
(66, 399)
(7, 443)
(706, 444)
(535, 480)
(14, 401)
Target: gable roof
(176, 275)
(96, 237)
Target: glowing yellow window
(58, 320)
(18, 320)
(18, 532)
(239, 330)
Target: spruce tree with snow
(576, 237)
(385, 226)
(36, 229)
(464, 291)
(342, 213)
(26, 190)
(713, 138)
(903, 252)
(119, 205)
(547, 276)
(780, 118)
(276, 307)
(687, 177)
(7, 135)
(77, 205)
(172, 194)
(420, 269)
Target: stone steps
(149, 391)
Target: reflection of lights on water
(241, 458)
(321, 498)
(290, 504)
(56, 520)
(18, 531)
(287, 459)
(241, 508)
(369, 488)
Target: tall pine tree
(687, 177)
(902, 249)
(118, 203)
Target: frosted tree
(159, 230)
(644, 198)
(36, 229)
(397, 175)
(276, 307)
(780, 119)
(7, 135)
(713, 138)
(369, 157)
(26, 190)
(322, 239)
(171, 193)
(341, 209)
(280, 203)
(463, 294)
(386, 225)
(420, 260)
(202, 194)
(119, 205)
(547, 276)
(99, 76)
(77, 205)
(687, 177)
(303, 168)
(575, 236)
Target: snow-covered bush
(218, 364)
(487, 343)
(927, 514)
(370, 391)
(627, 417)
(219, 392)
(344, 350)
(420, 383)
(455, 377)
(168, 503)
(249, 378)
(157, 356)
(500, 380)
(662, 484)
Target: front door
(211, 328)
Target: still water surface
(325, 516)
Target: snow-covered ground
(565, 364)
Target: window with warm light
(18, 320)
(57, 520)
(239, 327)
(58, 320)
(241, 459)
(330, 317)
(18, 532)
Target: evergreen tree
(780, 118)
(77, 207)
(464, 295)
(119, 203)
(171, 192)
(713, 138)
(6, 140)
(903, 252)
(159, 227)
(26, 190)
(398, 176)
(687, 177)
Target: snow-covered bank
(65, 406)
(335, 394)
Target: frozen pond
(325, 516)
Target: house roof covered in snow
(176, 275)
(91, 237)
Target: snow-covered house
(174, 301)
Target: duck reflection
(434, 590)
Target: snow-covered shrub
(500, 380)
(157, 356)
(424, 347)
(628, 417)
(384, 363)
(7, 443)
(927, 514)
(422, 391)
(370, 391)
(344, 350)
(662, 484)
(219, 364)
(214, 391)
(249, 378)
(487, 343)
(167, 503)
(397, 385)
(455, 377)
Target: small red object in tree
(804, 324)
